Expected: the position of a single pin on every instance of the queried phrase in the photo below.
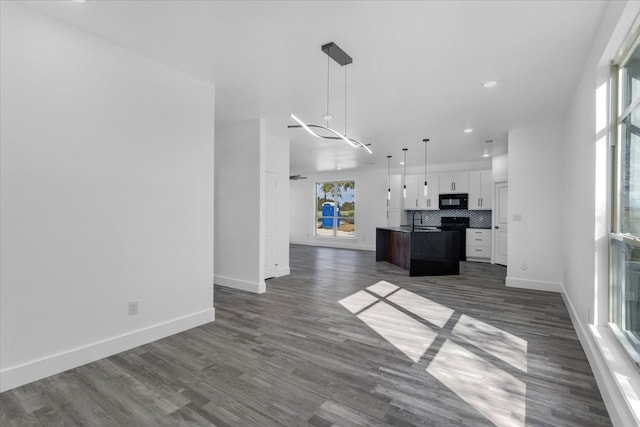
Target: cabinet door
(411, 201)
(446, 183)
(396, 192)
(454, 183)
(475, 190)
(486, 196)
(431, 200)
(480, 190)
(461, 182)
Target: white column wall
(106, 197)
(277, 158)
(535, 181)
(239, 200)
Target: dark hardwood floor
(342, 341)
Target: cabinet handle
(454, 186)
(478, 250)
(416, 203)
(478, 240)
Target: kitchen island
(426, 252)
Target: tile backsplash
(479, 219)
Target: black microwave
(454, 201)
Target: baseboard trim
(25, 373)
(243, 285)
(334, 244)
(535, 285)
(596, 342)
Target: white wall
(585, 222)
(500, 167)
(534, 242)
(106, 197)
(240, 168)
(371, 209)
(277, 161)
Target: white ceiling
(417, 66)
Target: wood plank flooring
(342, 341)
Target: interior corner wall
(106, 197)
(534, 224)
(240, 168)
(277, 161)
(371, 209)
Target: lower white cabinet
(478, 244)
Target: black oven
(454, 201)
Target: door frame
(494, 234)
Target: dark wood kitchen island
(423, 253)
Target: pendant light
(404, 188)
(334, 52)
(426, 190)
(389, 178)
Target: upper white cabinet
(416, 200)
(410, 202)
(480, 190)
(431, 200)
(396, 192)
(457, 182)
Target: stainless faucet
(413, 220)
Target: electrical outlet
(133, 308)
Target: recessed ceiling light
(78, 1)
(402, 163)
(486, 155)
(489, 84)
(327, 116)
(468, 130)
(339, 168)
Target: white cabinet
(410, 203)
(478, 244)
(430, 201)
(416, 200)
(394, 205)
(452, 183)
(480, 190)
(396, 193)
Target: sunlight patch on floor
(496, 394)
(493, 392)
(424, 308)
(382, 288)
(358, 301)
(497, 342)
(403, 332)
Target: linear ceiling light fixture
(334, 52)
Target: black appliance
(454, 201)
(460, 224)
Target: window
(335, 209)
(624, 289)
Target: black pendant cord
(345, 100)
(328, 73)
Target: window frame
(616, 237)
(335, 212)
